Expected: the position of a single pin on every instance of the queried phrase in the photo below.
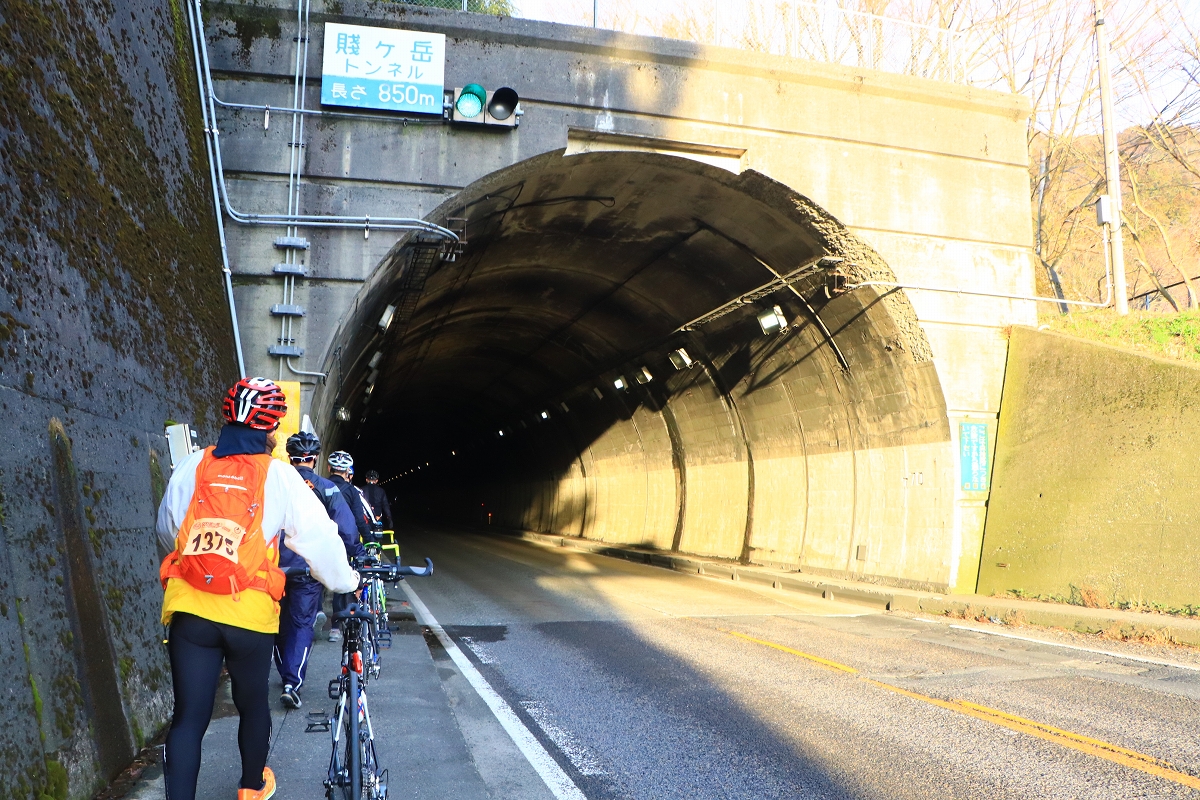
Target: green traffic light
(470, 100)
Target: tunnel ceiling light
(680, 359)
(545, 415)
(375, 359)
(772, 320)
(453, 453)
(386, 319)
(343, 414)
(374, 376)
(643, 376)
(370, 388)
(596, 391)
(620, 384)
(500, 432)
(563, 406)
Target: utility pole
(1112, 166)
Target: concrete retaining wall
(112, 320)
(1097, 476)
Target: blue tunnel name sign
(973, 455)
(383, 68)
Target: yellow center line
(1084, 744)
(824, 662)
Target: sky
(646, 16)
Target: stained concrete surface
(1096, 476)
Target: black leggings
(197, 647)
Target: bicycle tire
(353, 745)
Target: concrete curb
(1124, 624)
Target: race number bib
(218, 537)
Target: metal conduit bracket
(285, 351)
(290, 269)
(287, 310)
(291, 243)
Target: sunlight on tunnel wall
(798, 463)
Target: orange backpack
(220, 547)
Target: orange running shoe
(266, 791)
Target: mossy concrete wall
(1097, 477)
(112, 321)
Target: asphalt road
(645, 683)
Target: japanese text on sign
(973, 455)
(383, 68)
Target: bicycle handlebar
(388, 572)
(417, 571)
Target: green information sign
(973, 455)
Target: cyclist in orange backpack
(227, 508)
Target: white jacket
(289, 506)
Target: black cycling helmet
(372, 475)
(303, 445)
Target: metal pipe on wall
(286, 220)
(212, 171)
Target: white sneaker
(319, 622)
(335, 635)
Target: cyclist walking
(227, 508)
(378, 499)
(299, 606)
(341, 469)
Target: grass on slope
(1174, 336)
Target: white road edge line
(1108, 653)
(557, 781)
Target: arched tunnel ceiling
(573, 266)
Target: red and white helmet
(255, 402)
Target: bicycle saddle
(353, 611)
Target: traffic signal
(473, 103)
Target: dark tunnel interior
(536, 381)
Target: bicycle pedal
(335, 689)
(318, 722)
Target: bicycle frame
(354, 772)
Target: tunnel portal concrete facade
(920, 182)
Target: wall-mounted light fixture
(680, 359)
(563, 406)
(643, 375)
(386, 319)
(835, 284)
(374, 376)
(545, 415)
(500, 432)
(375, 359)
(596, 391)
(370, 388)
(772, 320)
(620, 384)
(343, 414)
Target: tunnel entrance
(536, 380)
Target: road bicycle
(354, 771)
(373, 596)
